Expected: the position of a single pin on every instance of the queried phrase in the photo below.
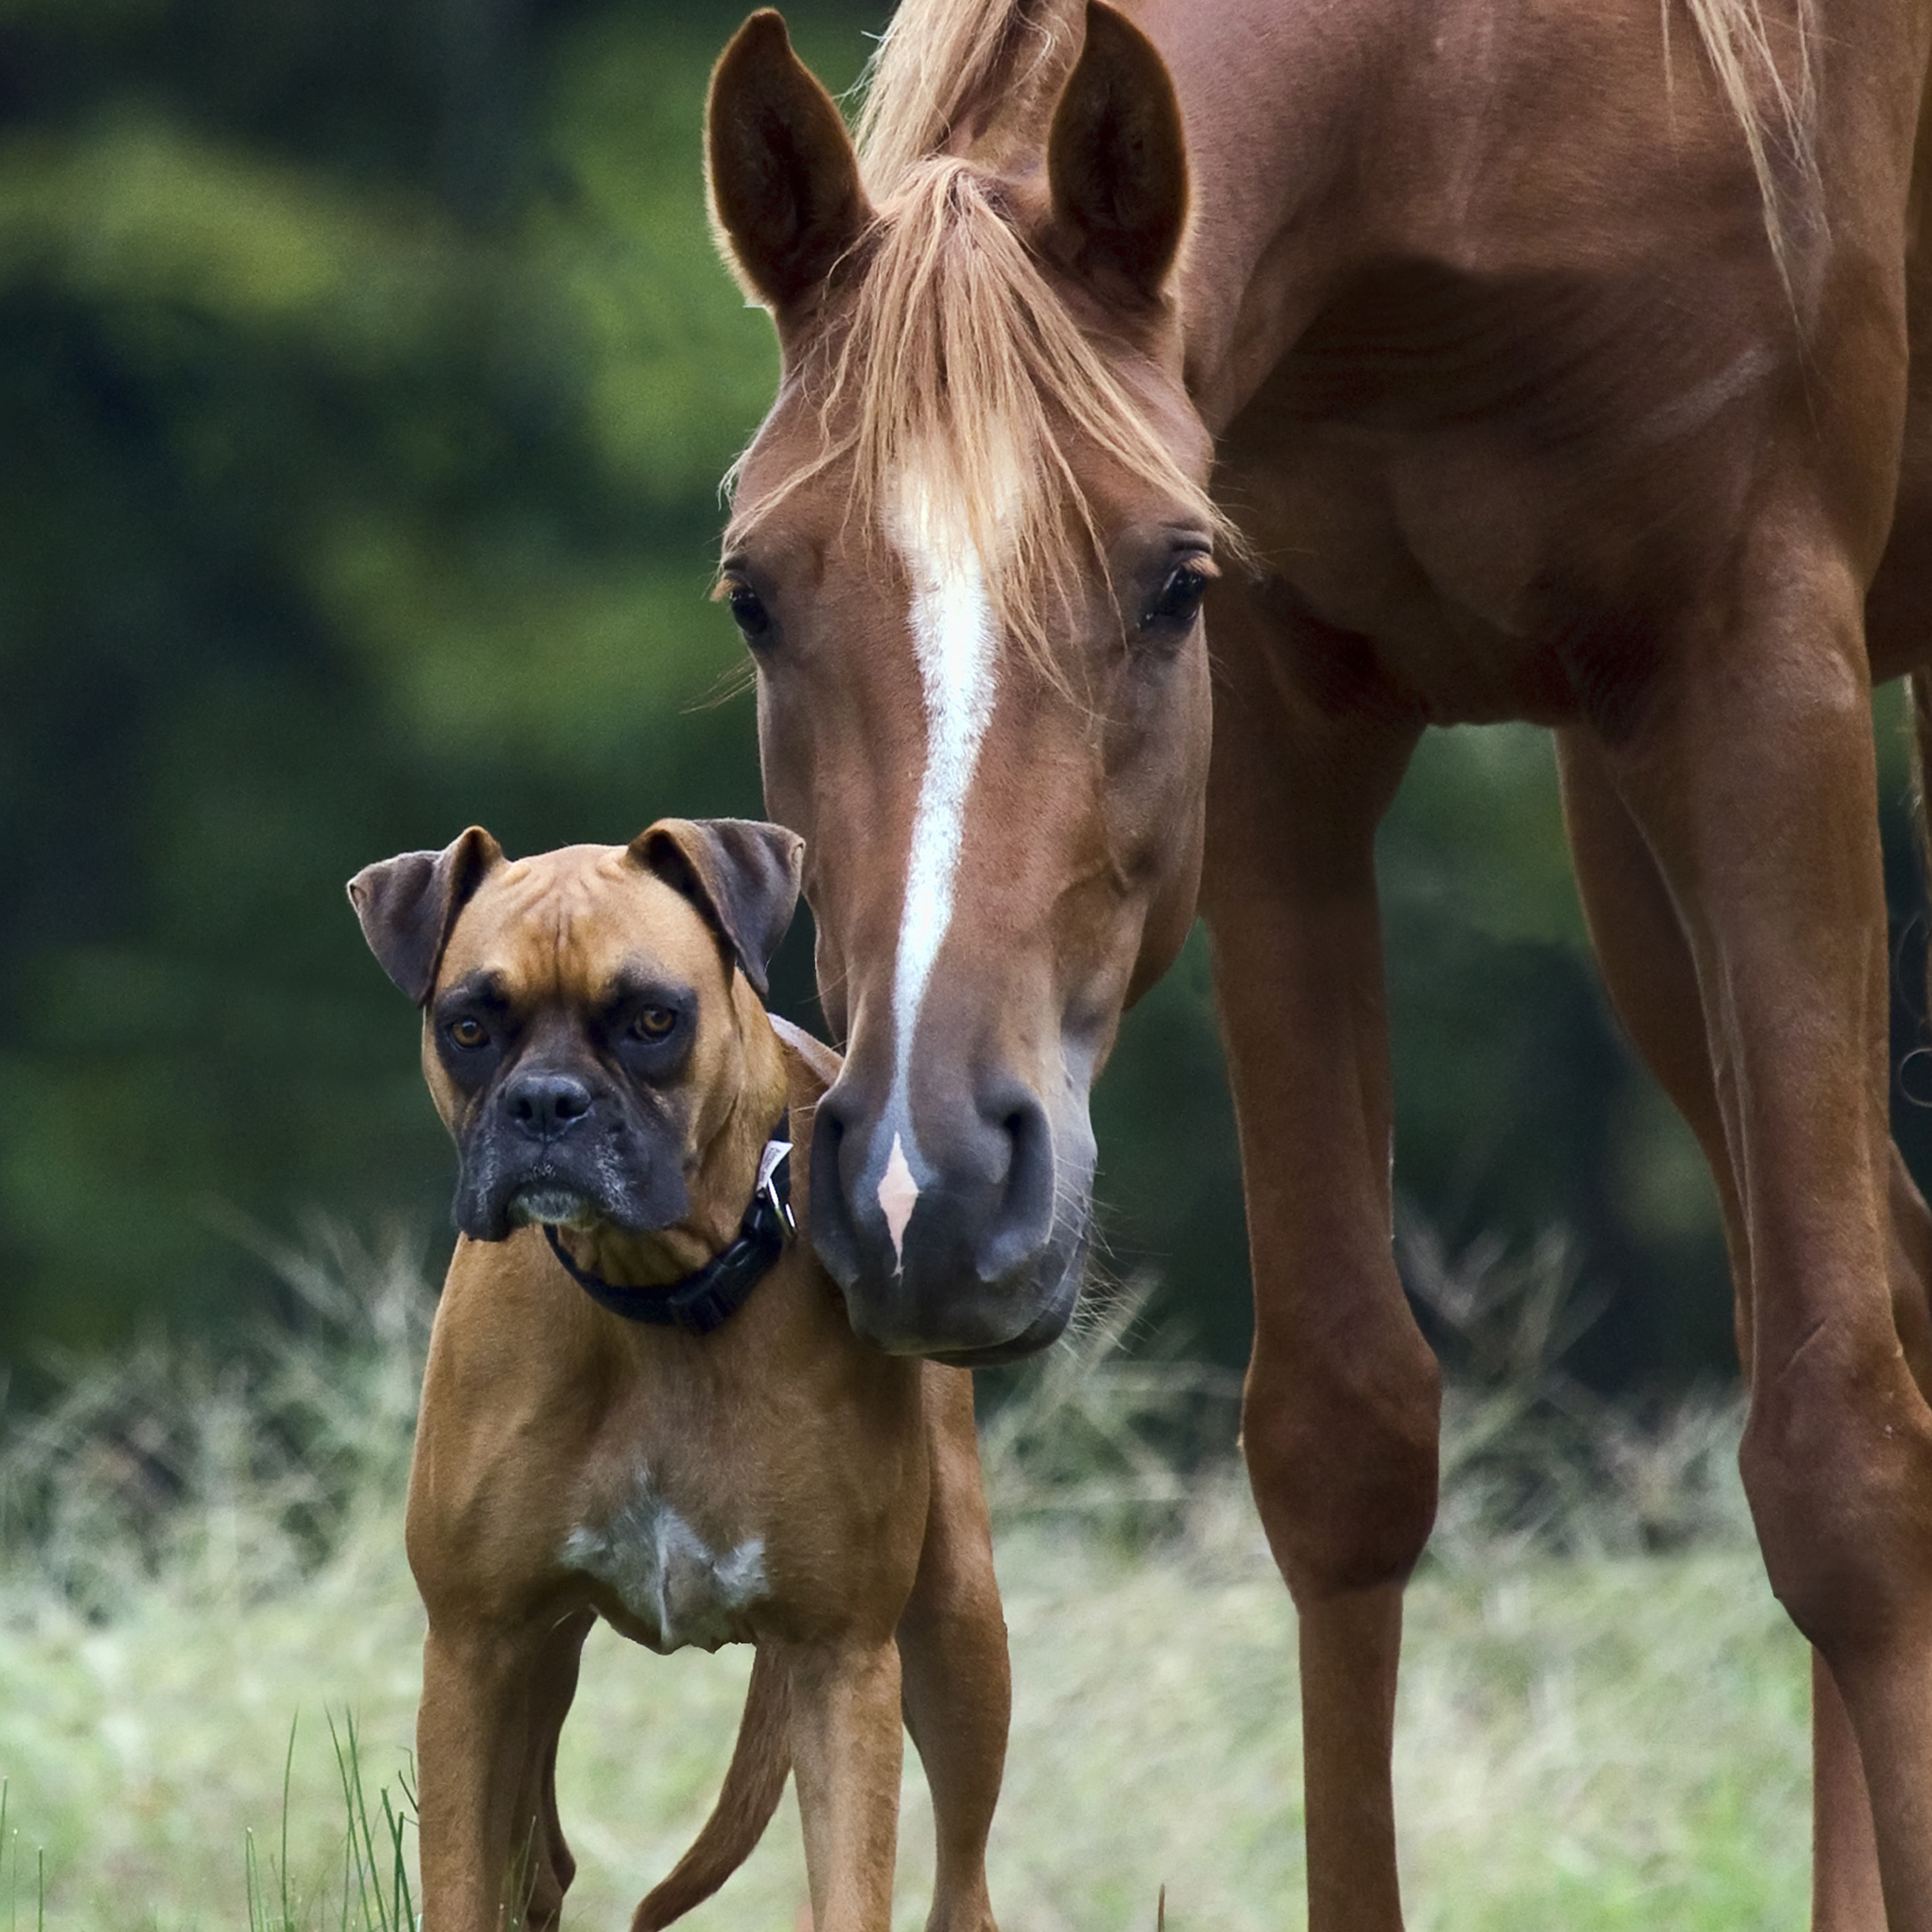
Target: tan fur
(542, 1415)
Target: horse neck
(1278, 171)
(1321, 135)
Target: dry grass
(1601, 1725)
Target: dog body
(594, 1037)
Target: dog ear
(786, 201)
(409, 904)
(740, 873)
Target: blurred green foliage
(366, 376)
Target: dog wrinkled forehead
(566, 924)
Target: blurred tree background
(365, 378)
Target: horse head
(968, 554)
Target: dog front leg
(493, 1702)
(848, 1745)
(553, 1685)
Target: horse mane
(945, 70)
(1778, 116)
(940, 62)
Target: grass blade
(288, 1771)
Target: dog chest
(675, 1588)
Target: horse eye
(469, 1032)
(747, 611)
(655, 1023)
(1178, 601)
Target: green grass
(1592, 1734)
(375, 1891)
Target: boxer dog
(643, 1401)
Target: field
(1602, 1722)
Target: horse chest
(1434, 612)
(1504, 486)
(1439, 569)
(673, 1586)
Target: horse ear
(785, 194)
(1115, 160)
(409, 906)
(742, 874)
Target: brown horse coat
(1555, 358)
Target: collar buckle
(777, 1154)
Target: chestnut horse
(1520, 359)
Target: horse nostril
(921, 1227)
(1023, 1219)
(828, 1123)
(832, 1231)
(547, 1104)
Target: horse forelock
(956, 362)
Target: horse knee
(1836, 1460)
(1344, 1471)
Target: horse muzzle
(964, 1241)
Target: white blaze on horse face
(898, 1196)
(955, 641)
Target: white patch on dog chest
(680, 1591)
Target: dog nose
(545, 1105)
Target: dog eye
(1178, 602)
(469, 1032)
(747, 609)
(655, 1023)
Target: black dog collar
(707, 1299)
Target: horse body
(1556, 360)
(1481, 311)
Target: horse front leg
(1749, 773)
(1652, 979)
(956, 1680)
(1340, 1411)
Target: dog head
(591, 1016)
